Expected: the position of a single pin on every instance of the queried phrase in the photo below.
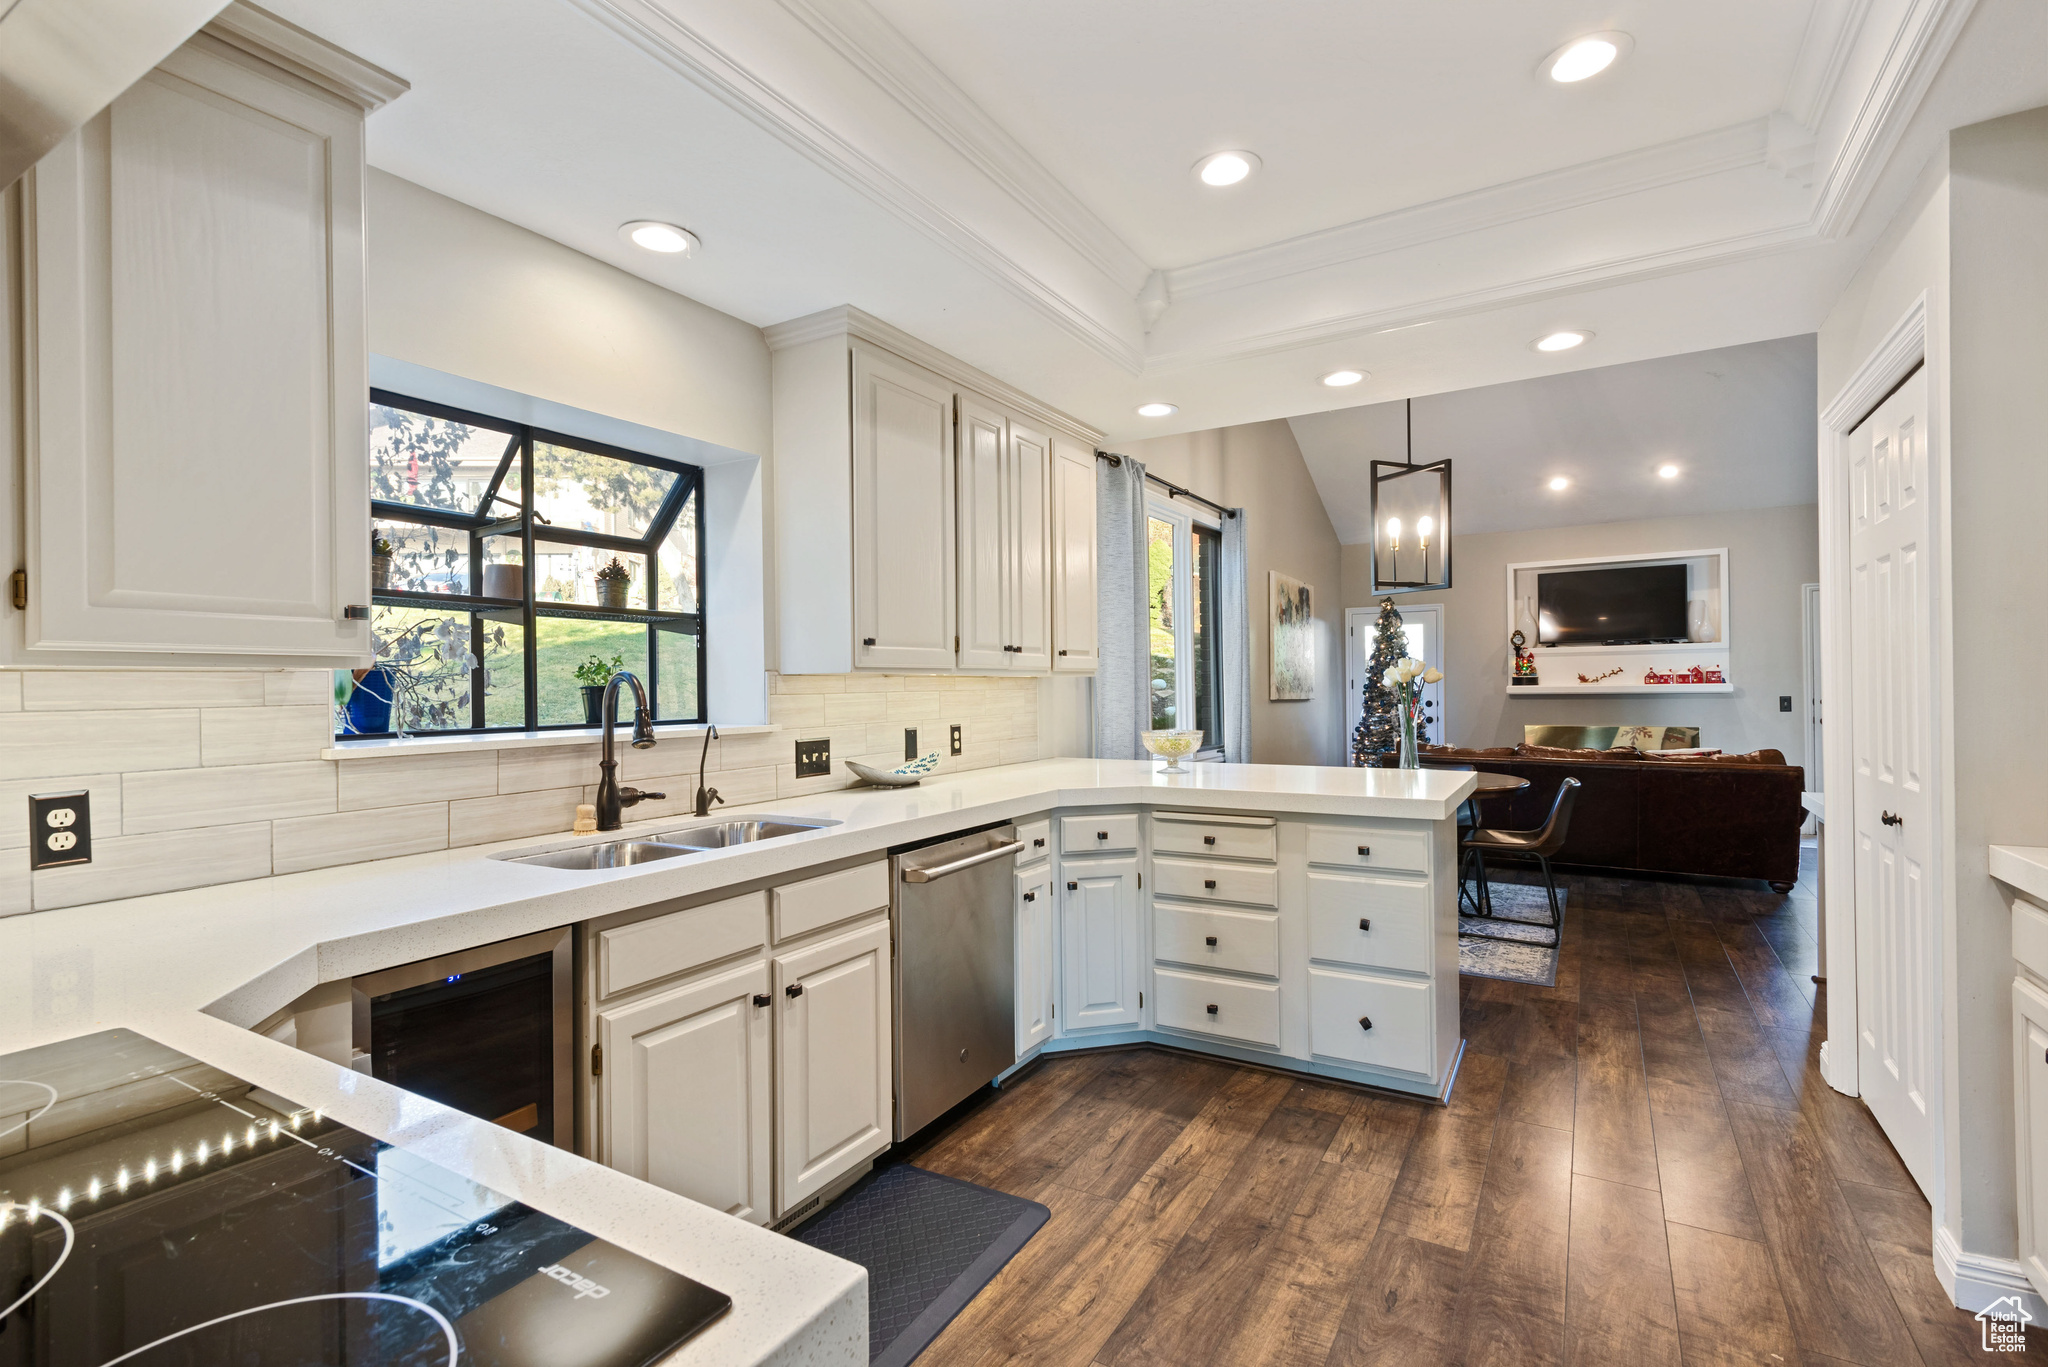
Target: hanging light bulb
(1393, 533)
(1423, 527)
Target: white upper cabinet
(902, 514)
(915, 510)
(1073, 558)
(194, 362)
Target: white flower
(1391, 679)
(1432, 676)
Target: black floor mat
(929, 1243)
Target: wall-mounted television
(1626, 605)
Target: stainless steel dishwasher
(954, 918)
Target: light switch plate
(59, 829)
(910, 742)
(814, 758)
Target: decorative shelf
(1579, 690)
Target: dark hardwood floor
(1639, 1165)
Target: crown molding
(1831, 32)
(878, 50)
(690, 55)
(1926, 32)
(1571, 187)
(284, 44)
(850, 322)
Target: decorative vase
(368, 710)
(611, 593)
(504, 581)
(593, 705)
(380, 573)
(1409, 759)
(1171, 745)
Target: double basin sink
(714, 835)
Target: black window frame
(521, 439)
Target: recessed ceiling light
(660, 237)
(1219, 169)
(1667, 472)
(1157, 410)
(1561, 341)
(1558, 484)
(1584, 57)
(1337, 379)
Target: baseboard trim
(1977, 1280)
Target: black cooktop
(157, 1211)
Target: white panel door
(1897, 950)
(1073, 558)
(685, 1095)
(1423, 624)
(833, 1057)
(1099, 944)
(197, 476)
(1034, 957)
(903, 610)
(1027, 482)
(984, 518)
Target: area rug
(1523, 953)
(929, 1243)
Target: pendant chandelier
(1411, 521)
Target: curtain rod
(1172, 490)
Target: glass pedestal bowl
(1172, 746)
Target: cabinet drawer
(801, 908)
(1249, 838)
(1210, 937)
(1223, 1007)
(1398, 1037)
(1371, 922)
(663, 946)
(1037, 839)
(1116, 834)
(1367, 847)
(1216, 882)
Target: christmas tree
(1378, 732)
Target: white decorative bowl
(1172, 746)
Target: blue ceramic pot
(369, 707)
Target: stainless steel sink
(614, 854)
(717, 835)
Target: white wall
(1259, 468)
(1771, 552)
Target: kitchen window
(497, 555)
(1184, 552)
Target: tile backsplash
(215, 776)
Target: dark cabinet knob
(867, 640)
(1891, 820)
(762, 999)
(1365, 1022)
(1031, 897)
(1073, 887)
(1365, 851)
(1208, 840)
(1210, 941)
(1102, 835)
(1212, 1008)
(1039, 843)
(793, 990)
(1063, 652)
(1209, 883)
(1365, 923)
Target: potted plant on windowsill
(593, 674)
(612, 582)
(380, 562)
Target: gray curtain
(1233, 623)
(1123, 686)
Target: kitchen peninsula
(1301, 917)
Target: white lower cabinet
(2030, 1113)
(685, 1091)
(1100, 944)
(833, 1008)
(1034, 957)
(1379, 1022)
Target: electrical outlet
(1784, 702)
(813, 758)
(956, 738)
(59, 829)
(910, 742)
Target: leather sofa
(1728, 816)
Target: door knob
(793, 990)
(1890, 820)
(762, 999)
(1365, 1022)
(1210, 941)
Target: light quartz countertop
(2024, 868)
(193, 969)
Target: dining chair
(1541, 843)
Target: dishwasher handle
(938, 871)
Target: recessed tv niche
(1627, 605)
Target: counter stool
(1542, 842)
